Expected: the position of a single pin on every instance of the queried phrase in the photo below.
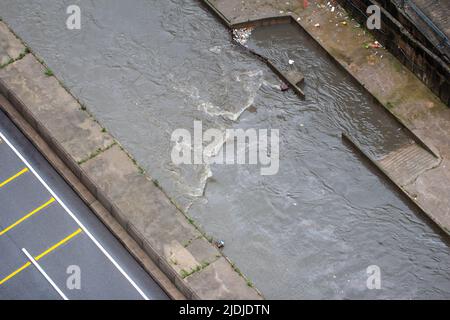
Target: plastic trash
(220, 244)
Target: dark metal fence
(412, 11)
(416, 48)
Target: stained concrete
(56, 110)
(220, 288)
(10, 47)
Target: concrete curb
(259, 22)
(292, 19)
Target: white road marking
(36, 264)
(71, 214)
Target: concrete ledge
(272, 20)
(441, 221)
(431, 188)
(418, 58)
(110, 182)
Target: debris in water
(375, 45)
(241, 36)
(291, 61)
(284, 87)
(220, 244)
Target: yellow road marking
(21, 172)
(43, 254)
(46, 252)
(27, 216)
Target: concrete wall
(425, 64)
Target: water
(145, 68)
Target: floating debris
(291, 61)
(284, 87)
(241, 36)
(375, 44)
(220, 244)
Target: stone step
(407, 162)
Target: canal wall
(407, 44)
(377, 71)
(181, 258)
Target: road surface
(51, 245)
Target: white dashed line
(36, 264)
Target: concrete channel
(303, 233)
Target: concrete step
(407, 162)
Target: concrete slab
(295, 77)
(54, 109)
(10, 47)
(219, 281)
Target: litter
(241, 36)
(375, 44)
(291, 61)
(284, 87)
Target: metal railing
(443, 41)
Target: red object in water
(305, 4)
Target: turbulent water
(145, 68)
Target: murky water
(145, 68)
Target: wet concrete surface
(146, 68)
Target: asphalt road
(75, 256)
